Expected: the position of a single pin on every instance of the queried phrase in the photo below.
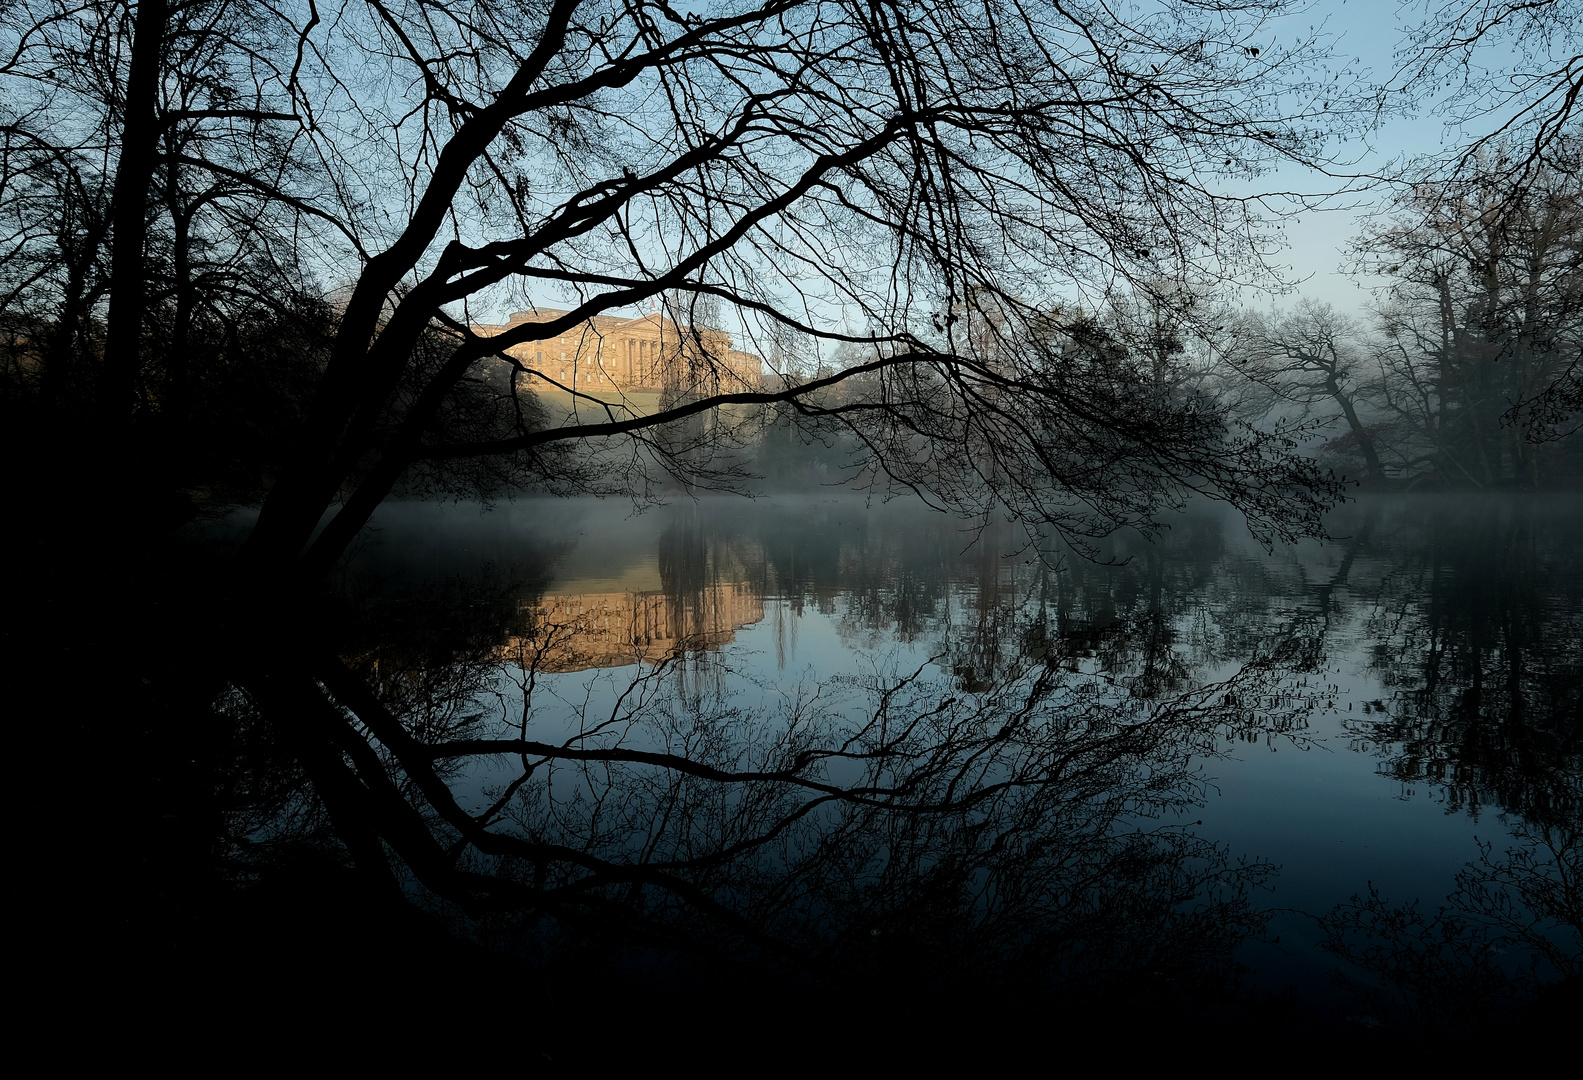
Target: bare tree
(1481, 319)
(52, 272)
(179, 191)
(1310, 357)
(920, 184)
(850, 174)
(1516, 63)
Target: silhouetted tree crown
(823, 174)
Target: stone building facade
(613, 629)
(650, 353)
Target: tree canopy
(826, 173)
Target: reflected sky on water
(1435, 699)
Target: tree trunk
(60, 359)
(129, 212)
(1371, 459)
(178, 366)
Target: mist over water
(1419, 719)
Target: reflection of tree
(1510, 931)
(427, 655)
(891, 822)
(1483, 644)
(891, 581)
(1156, 614)
(1479, 633)
(698, 567)
(956, 831)
(984, 813)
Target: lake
(1271, 755)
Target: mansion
(614, 629)
(649, 353)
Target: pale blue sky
(1370, 34)
(1366, 36)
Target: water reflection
(1468, 614)
(923, 747)
(1023, 838)
(1504, 951)
(613, 629)
(1478, 634)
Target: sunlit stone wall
(648, 353)
(600, 630)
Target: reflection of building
(596, 630)
(649, 352)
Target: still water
(1392, 716)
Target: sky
(1366, 36)
(1370, 33)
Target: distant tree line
(1466, 372)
